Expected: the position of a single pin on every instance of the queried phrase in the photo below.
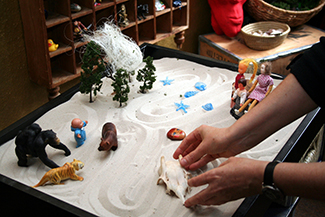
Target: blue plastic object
(181, 106)
(207, 107)
(200, 86)
(190, 93)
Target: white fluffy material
(120, 50)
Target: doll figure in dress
(239, 98)
(261, 87)
(77, 125)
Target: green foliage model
(295, 5)
(121, 86)
(147, 75)
(93, 66)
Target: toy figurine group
(32, 141)
(244, 93)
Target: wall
(19, 96)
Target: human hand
(203, 145)
(235, 178)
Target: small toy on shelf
(109, 138)
(176, 134)
(260, 91)
(77, 125)
(177, 3)
(32, 141)
(75, 7)
(79, 29)
(174, 176)
(97, 2)
(52, 45)
(56, 175)
(123, 21)
(159, 5)
(239, 98)
(142, 11)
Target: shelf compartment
(63, 69)
(87, 21)
(58, 12)
(84, 11)
(147, 31)
(130, 10)
(105, 15)
(164, 23)
(62, 35)
(132, 33)
(180, 16)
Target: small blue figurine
(181, 106)
(207, 107)
(190, 93)
(200, 86)
(177, 3)
(167, 81)
(77, 125)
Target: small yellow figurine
(242, 67)
(52, 45)
(68, 170)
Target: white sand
(123, 183)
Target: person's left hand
(235, 178)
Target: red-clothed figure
(227, 16)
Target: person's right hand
(203, 145)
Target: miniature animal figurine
(260, 91)
(142, 11)
(174, 176)
(123, 21)
(109, 138)
(77, 125)
(32, 141)
(56, 175)
(52, 45)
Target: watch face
(273, 193)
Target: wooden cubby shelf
(53, 19)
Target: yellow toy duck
(52, 45)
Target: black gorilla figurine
(32, 141)
(142, 11)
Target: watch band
(268, 173)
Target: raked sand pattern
(123, 183)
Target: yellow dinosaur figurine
(68, 170)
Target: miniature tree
(120, 85)
(93, 67)
(147, 75)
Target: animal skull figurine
(174, 176)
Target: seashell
(174, 176)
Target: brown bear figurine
(109, 138)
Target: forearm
(300, 179)
(285, 104)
